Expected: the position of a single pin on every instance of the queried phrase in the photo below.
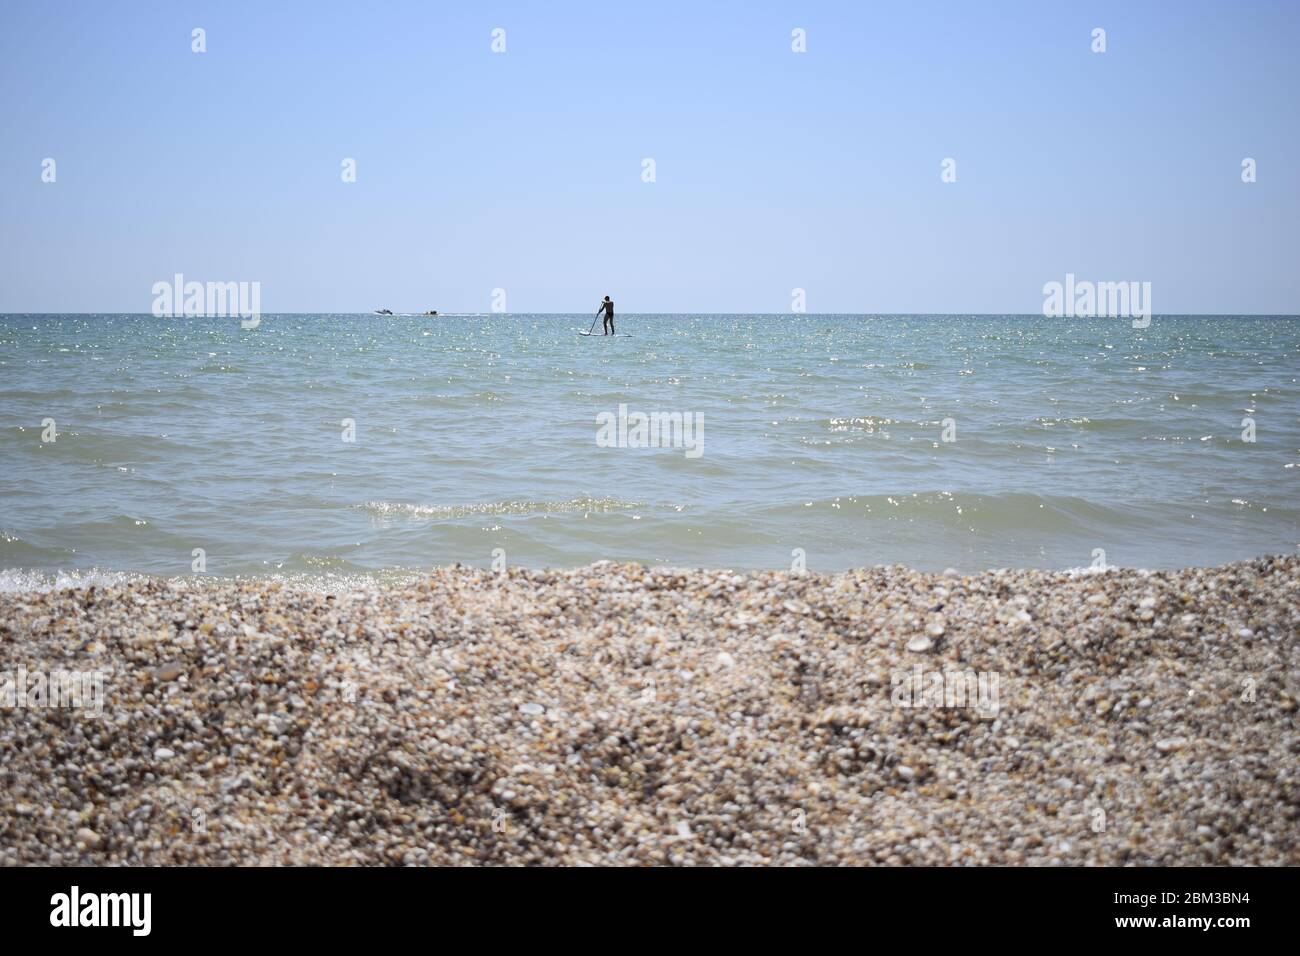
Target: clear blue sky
(775, 170)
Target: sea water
(313, 446)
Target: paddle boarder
(608, 324)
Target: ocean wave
(25, 579)
(398, 509)
(967, 511)
(18, 553)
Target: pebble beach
(622, 715)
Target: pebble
(709, 718)
(169, 671)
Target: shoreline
(25, 580)
(618, 714)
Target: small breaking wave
(398, 509)
(13, 580)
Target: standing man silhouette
(608, 324)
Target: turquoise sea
(822, 442)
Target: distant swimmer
(608, 324)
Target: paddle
(593, 322)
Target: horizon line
(421, 315)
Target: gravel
(616, 714)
